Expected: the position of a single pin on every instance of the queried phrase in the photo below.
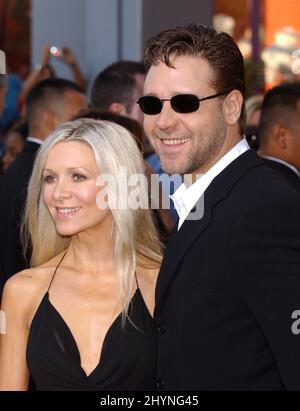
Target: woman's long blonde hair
(133, 232)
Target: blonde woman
(81, 317)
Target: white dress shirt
(34, 140)
(185, 197)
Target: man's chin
(171, 164)
(172, 169)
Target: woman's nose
(62, 191)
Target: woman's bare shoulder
(41, 274)
(31, 278)
(24, 285)
(28, 285)
(19, 295)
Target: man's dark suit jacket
(229, 286)
(285, 171)
(13, 191)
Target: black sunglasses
(181, 103)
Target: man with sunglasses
(229, 286)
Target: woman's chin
(67, 232)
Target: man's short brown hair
(218, 49)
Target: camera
(56, 51)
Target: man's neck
(223, 150)
(40, 135)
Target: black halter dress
(127, 362)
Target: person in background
(253, 109)
(14, 143)
(50, 103)
(118, 87)
(3, 90)
(43, 70)
(11, 109)
(279, 131)
(228, 292)
(81, 317)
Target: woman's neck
(92, 250)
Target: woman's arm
(14, 373)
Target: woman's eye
(78, 177)
(49, 179)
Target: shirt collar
(278, 160)
(186, 197)
(34, 140)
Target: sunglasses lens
(185, 103)
(150, 105)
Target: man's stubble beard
(199, 160)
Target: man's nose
(167, 118)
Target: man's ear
(118, 108)
(233, 106)
(49, 120)
(280, 135)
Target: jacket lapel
(177, 247)
(180, 242)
